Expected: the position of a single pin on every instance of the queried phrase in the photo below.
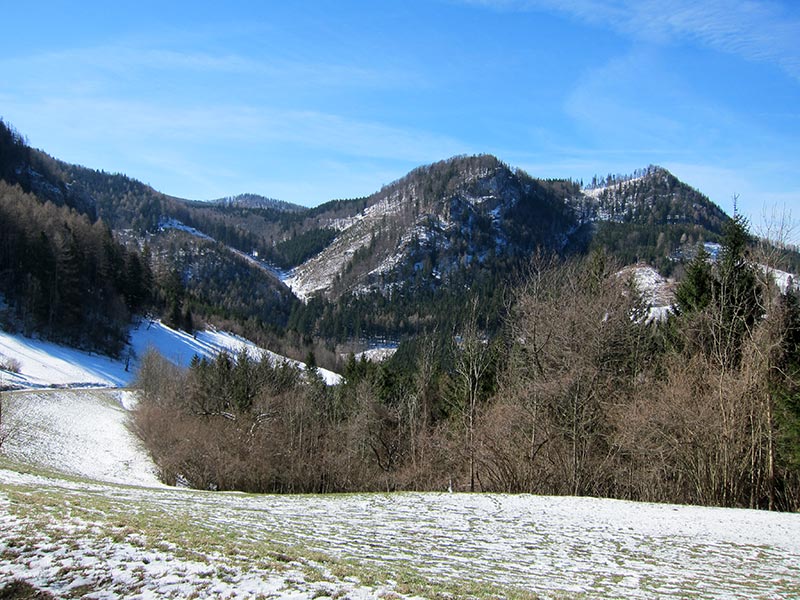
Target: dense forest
(578, 394)
(64, 276)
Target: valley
(427, 300)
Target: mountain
(392, 264)
(437, 220)
(650, 217)
(476, 212)
(651, 196)
(256, 201)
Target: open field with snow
(74, 537)
(89, 532)
(77, 432)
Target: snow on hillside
(179, 346)
(377, 355)
(598, 191)
(657, 291)
(83, 433)
(785, 281)
(133, 542)
(45, 364)
(175, 224)
(318, 273)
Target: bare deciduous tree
(472, 362)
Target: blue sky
(310, 101)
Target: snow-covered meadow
(111, 541)
(83, 433)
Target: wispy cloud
(109, 67)
(139, 125)
(161, 110)
(754, 29)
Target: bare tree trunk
(472, 363)
(770, 456)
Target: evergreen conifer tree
(694, 292)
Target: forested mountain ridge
(257, 201)
(436, 220)
(392, 264)
(651, 217)
(475, 210)
(652, 196)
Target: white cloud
(110, 68)
(753, 29)
(630, 103)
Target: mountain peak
(258, 201)
(652, 195)
(457, 213)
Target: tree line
(580, 394)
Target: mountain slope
(650, 217)
(41, 364)
(436, 220)
(60, 429)
(476, 211)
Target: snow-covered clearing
(77, 432)
(785, 281)
(657, 292)
(119, 541)
(176, 224)
(378, 354)
(45, 364)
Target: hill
(39, 364)
(257, 201)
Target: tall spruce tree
(694, 292)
